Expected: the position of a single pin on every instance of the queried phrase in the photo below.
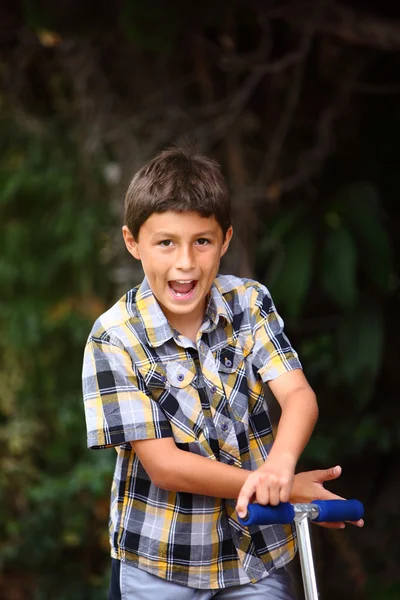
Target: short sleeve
(272, 352)
(118, 407)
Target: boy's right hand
(269, 484)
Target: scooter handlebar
(329, 510)
(339, 510)
(258, 514)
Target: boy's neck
(187, 324)
(189, 329)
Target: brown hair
(179, 179)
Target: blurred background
(299, 101)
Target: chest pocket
(229, 359)
(155, 378)
(181, 373)
(175, 373)
(174, 386)
(232, 373)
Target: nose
(185, 260)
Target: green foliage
(140, 75)
(69, 18)
(339, 268)
(149, 25)
(362, 211)
(375, 591)
(360, 344)
(54, 214)
(330, 271)
(296, 271)
(153, 26)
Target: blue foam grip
(339, 510)
(258, 514)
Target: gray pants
(135, 584)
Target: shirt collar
(217, 307)
(155, 323)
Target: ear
(227, 240)
(130, 243)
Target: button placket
(228, 441)
(211, 375)
(219, 405)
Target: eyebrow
(168, 234)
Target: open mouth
(182, 288)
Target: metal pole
(306, 556)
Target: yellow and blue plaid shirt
(143, 380)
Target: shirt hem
(122, 556)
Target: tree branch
(278, 137)
(355, 27)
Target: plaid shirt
(143, 380)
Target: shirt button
(180, 377)
(163, 378)
(213, 389)
(224, 426)
(231, 461)
(228, 363)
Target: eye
(165, 243)
(203, 241)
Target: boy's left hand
(270, 484)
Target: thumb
(323, 475)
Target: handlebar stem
(310, 511)
(302, 522)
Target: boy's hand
(270, 484)
(309, 486)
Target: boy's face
(180, 255)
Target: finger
(241, 506)
(322, 475)
(331, 525)
(263, 491)
(284, 494)
(359, 523)
(246, 493)
(274, 495)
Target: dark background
(299, 102)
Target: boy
(173, 378)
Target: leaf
(322, 447)
(316, 354)
(293, 280)
(360, 349)
(339, 266)
(361, 210)
(284, 222)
